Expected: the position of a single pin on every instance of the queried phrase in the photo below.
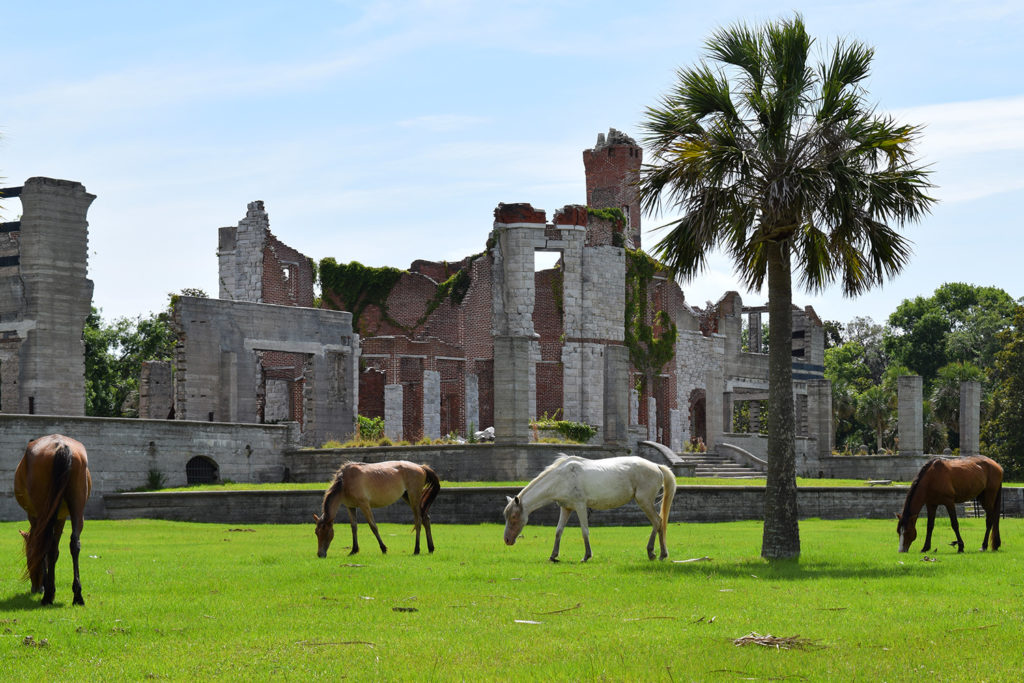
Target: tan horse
(52, 482)
(374, 485)
(948, 482)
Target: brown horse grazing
(947, 482)
(52, 482)
(366, 486)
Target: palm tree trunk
(781, 536)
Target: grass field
(167, 600)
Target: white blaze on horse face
(514, 521)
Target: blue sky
(384, 132)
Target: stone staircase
(709, 465)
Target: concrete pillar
(616, 394)
(714, 409)
(727, 411)
(754, 410)
(819, 415)
(394, 412)
(652, 418)
(634, 407)
(472, 404)
(432, 404)
(53, 259)
(755, 335)
(675, 439)
(911, 415)
(512, 389)
(970, 418)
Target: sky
(385, 132)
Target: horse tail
(430, 489)
(42, 532)
(669, 493)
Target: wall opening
(201, 470)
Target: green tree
(781, 163)
(114, 355)
(958, 323)
(1002, 435)
(874, 407)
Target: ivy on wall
(355, 286)
(648, 350)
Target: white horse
(577, 483)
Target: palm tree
(785, 166)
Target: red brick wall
(294, 290)
(610, 172)
(371, 393)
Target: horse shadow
(20, 602)
(780, 570)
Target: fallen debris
(768, 640)
(692, 559)
(559, 611)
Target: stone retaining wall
(477, 505)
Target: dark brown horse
(366, 486)
(52, 483)
(948, 482)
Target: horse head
(515, 519)
(906, 530)
(324, 533)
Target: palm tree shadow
(780, 570)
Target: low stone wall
(476, 505)
(470, 462)
(123, 451)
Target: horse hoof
(553, 559)
(78, 601)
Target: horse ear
(518, 502)
(508, 499)
(316, 518)
(24, 534)
(899, 516)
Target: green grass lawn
(177, 601)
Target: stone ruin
(451, 348)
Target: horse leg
(50, 563)
(416, 520)
(355, 539)
(585, 529)
(373, 526)
(655, 520)
(563, 517)
(77, 521)
(426, 527)
(931, 525)
(951, 509)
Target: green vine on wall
(614, 215)
(648, 352)
(356, 286)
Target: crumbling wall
(218, 368)
(612, 168)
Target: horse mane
(913, 488)
(559, 461)
(42, 533)
(335, 487)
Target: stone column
(675, 435)
(394, 427)
(511, 389)
(754, 333)
(53, 259)
(432, 404)
(911, 415)
(970, 418)
(714, 409)
(652, 418)
(616, 394)
(819, 415)
(754, 411)
(472, 404)
(727, 411)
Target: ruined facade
(45, 298)
(510, 343)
